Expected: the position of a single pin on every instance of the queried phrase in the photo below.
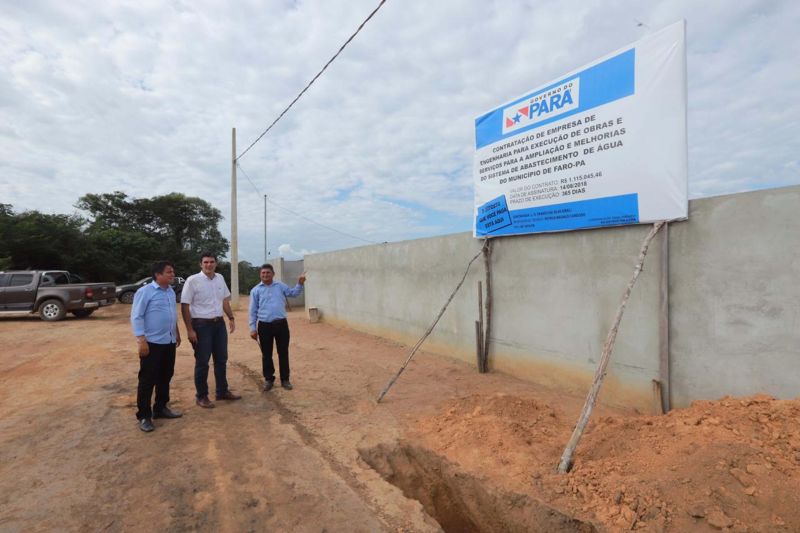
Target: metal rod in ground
(566, 458)
(430, 329)
(487, 332)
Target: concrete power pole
(265, 228)
(234, 230)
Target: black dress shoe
(166, 412)
(228, 395)
(268, 386)
(286, 385)
(146, 425)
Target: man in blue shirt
(268, 323)
(154, 318)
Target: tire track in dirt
(342, 470)
(237, 467)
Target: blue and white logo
(543, 105)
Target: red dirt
(733, 463)
(71, 457)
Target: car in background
(52, 294)
(125, 292)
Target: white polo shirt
(205, 295)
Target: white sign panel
(604, 145)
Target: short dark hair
(206, 253)
(160, 266)
(266, 265)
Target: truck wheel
(82, 313)
(126, 297)
(52, 310)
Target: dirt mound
(728, 464)
(508, 428)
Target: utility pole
(265, 229)
(234, 229)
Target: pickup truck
(52, 293)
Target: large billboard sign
(604, 145)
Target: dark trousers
(155, 371)
(279, 332)
(212, 340)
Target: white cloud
(141, 97)
(287, 252)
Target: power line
(298, 214)
(248, 179)
(318, 224)
(296, 98)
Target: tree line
(117, 237)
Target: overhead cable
(296, 98)
(299, 215)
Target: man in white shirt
(204, 298)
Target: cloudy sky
(141, 96)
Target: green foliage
(31, 239)
(136, 232)
(118, 241)
(248, 275)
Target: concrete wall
(735, 297)
(288, 272)
(734, 301)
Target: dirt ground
(447, 448)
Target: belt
(207, 320)
(273, 322)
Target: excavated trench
(459, 501)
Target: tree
(172, 226)
(116, 254)
(35, 240)
(119, 240)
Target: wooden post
(430, 329)
(663, 322)
(566, 458)
(480, 327)
(487, 259)
(658, 395)
(478, 343)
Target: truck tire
(82, 313)
(126, 297)
(52, 310)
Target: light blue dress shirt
(154, 314)
(267, 302)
